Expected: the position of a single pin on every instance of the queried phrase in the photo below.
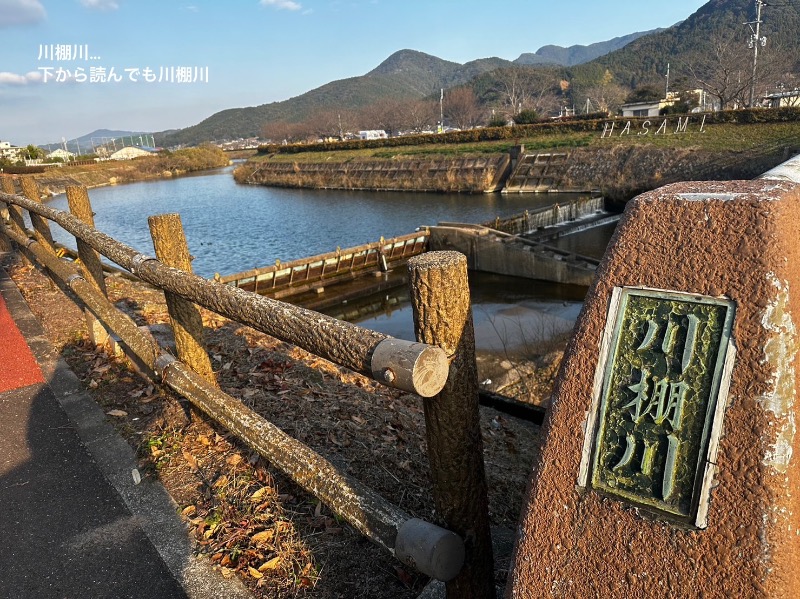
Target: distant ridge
(578, 54)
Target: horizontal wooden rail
(430, 549)
(412, 367)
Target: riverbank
(113, 172)
(620, 157)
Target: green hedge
(590, 122)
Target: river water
(231, 228)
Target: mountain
(578, 54)
(698, 39)
(405, 75)
(630, 61)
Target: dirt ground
(248, 518)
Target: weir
(380, 266)
(282, 280)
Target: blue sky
(249, 52)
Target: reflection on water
(511, 315)
(231, 228)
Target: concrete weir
(493, 251)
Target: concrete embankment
(470, 175)
(618, 171)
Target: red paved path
(18, 367)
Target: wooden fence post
(5, 240)
(443, 316)
(81, 208)
(14, 212)
(187, 324)
(41, 228)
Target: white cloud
(282, 4)
(7, 78)
(21, 12)
(100, 4)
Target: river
(232, 228)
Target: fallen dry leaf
(191, 460)
(254, 573)
(263, 537)
(117, 413)
(270, 565)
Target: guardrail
(462, 555)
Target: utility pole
(755, 41)
(666, 93)
(441, 110)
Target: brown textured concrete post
(671, 461)
(41, 228)
(81, 207)
(443, 316)
(187, 325)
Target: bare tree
(282, 131)
(519, 88)
(606, 95)
(461, 107)
(725, 69)
(422, 115)
(387, 114)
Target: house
(9, 152)
(131, 152)
(652, 108)
(783, 99)
(373, 134)
(60, 154)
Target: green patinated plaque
(659, 398)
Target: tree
(387, 114)
(517, 88)
(422, 115)
(606, 95)
(644, 93)
(282, 131)
(526, 117)
(725, 69)
(33, 152)
(461, 107)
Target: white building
(132, 152)
(60, 154)
(10, 152)
(783, 99)
(373, 134)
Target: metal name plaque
(659, 412)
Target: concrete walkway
(73, 521)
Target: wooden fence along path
(441, 370)
(284, 279)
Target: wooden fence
(441, 370)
